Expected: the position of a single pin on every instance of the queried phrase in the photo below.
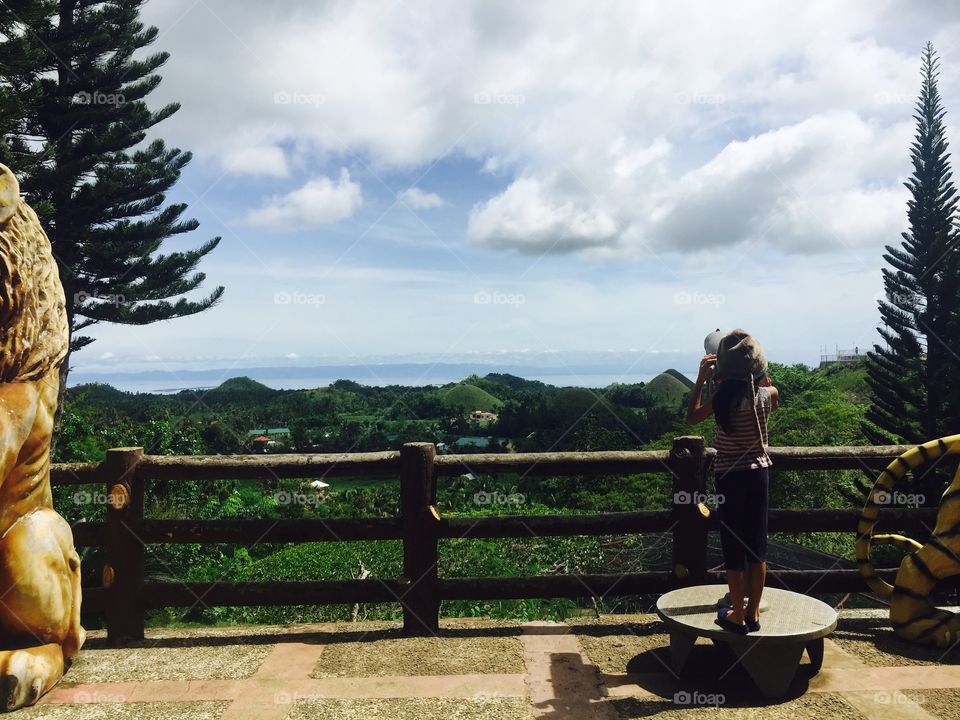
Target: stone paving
(613, 668)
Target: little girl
(742, 402)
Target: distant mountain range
(373, 374)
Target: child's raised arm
(697, 412)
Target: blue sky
(468, 179)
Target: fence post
(124, 551)
(689, 470)
(420, 520)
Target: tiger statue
(39, 567)
(912, 614)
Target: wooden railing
(125, 475)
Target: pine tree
(913, 375)
(75, 121)
(18, 56)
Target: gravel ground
(815, 706)
(417, 709)
(874, 642)
(939, 703)
(615, 644)
(211, 653)
(458, 651)
(133, 711)
(625, 643)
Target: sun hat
(740, 355)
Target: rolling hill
(666, 389)
(242, 385)
(469, 397)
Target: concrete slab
(562, 684)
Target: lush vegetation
(74, 82)
(916, 395)
(819, 407)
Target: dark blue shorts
(743, 516)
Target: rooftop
(613, 668)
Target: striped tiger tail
(882, 493)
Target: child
(741, 403)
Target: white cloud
(526, 217)
(292, 356)
(318, 202)
(622, 113)
(810, 187)
(256, 160)
(720, 139)
(420, 200)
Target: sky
(445, 181)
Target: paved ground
(610, 669)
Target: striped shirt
(741, 449)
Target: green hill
(243, 385)
(97, 393)
(573, 402)
(681, 377)
(469, 397)
(666, 389)
(511, 382)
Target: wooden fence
(125, 475)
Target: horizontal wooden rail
(503, 526)
(348, 592)
(269, 467)
(919, 521)
(421, 525)
(915, 520)
(387, 464)
(556, 463)
(556, 586)
(320, 592)
(75, 473)
(254, 531)
(850, 457)
(88, 534)
(842, 580)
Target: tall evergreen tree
(73, 110)
(913, 377)
(18, 58)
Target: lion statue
(912, 614)
(39, 568)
